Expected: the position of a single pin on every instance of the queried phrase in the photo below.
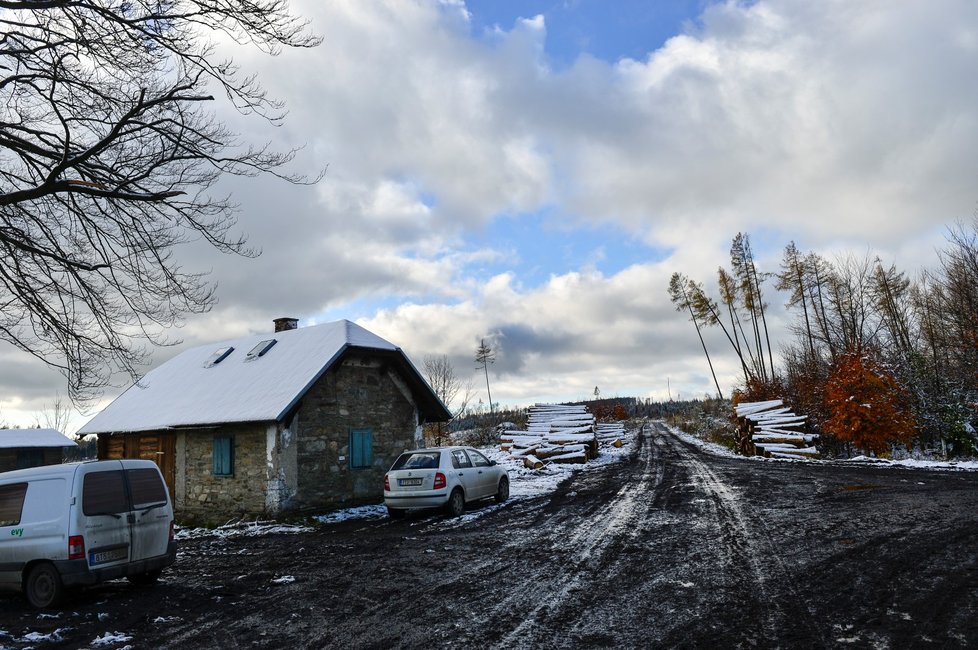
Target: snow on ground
(110, 638)
(241, 529)
(917, 463)
(914, 463)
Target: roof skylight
(219, 355)
(260, 349)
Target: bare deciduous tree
(56, 415)
(106, 155)
(452, 391)
(440, 373)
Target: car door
(467, 475)
(485, 476)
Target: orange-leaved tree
(866, 406)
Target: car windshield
(417, 460)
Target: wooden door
(160, 448)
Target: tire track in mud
(753, 559)
(590, 536)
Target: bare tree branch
(107, 151)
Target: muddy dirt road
(673, 547)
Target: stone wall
(360, 392)
(205, 498)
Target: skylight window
(219, 355)
(260, 349)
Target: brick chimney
(285, 323)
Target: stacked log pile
(610, 433)
(770, 429)
(554, 434)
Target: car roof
(423, 450)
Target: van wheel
(43, 586)
(456, 503)
(142, 579)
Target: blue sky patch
(606, 30)
(543, 247)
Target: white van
(83, 523)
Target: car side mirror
(492, 463)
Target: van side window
(12, 503)
(104, 493)
(145, 487)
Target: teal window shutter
(361, 448)
(223, 456)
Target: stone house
(22, 448)
(302, 419)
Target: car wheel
(43, 586)
(456, 503)
(502, 492)
(395, 513)
(143, 579)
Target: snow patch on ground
(110, 638)
(246, 529)
(913, 463)
(38, 637)
(916, 463)
(378, 511)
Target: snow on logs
(768, 429)
(558, 434)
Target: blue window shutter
(223, 456)
(361, 448)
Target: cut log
(567, 438)
(532, 462)
(557, 450)
(786, 438)
(753, 407)
(522, 453)
(806, 452)
(575, 457)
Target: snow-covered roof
(192, 390)
(17, 438)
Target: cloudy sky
(532, 172)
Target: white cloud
(835, 124)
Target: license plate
(102, 557)
(405, 482)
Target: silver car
(446, 477)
